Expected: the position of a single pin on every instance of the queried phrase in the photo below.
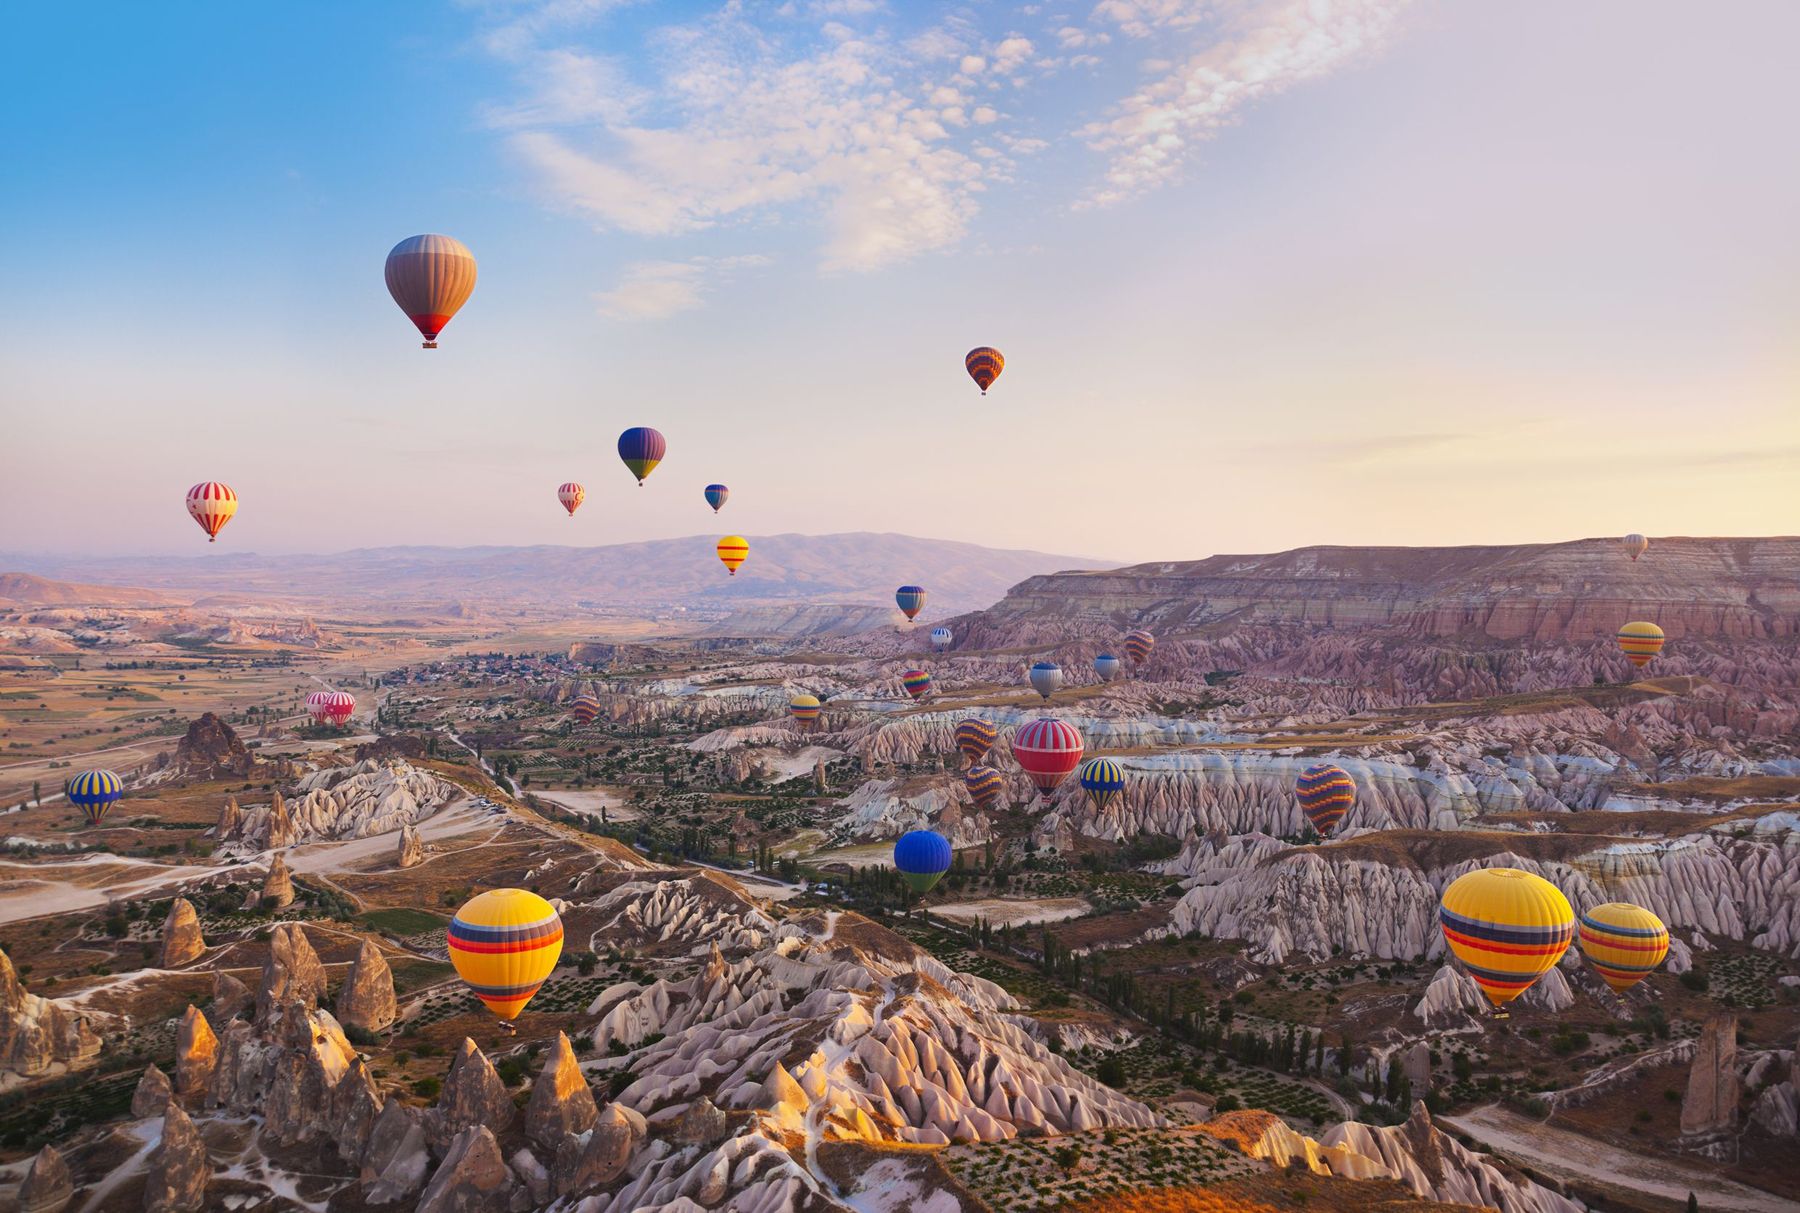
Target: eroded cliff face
(40, 1035)
(374, 796)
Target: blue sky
(1267, 272)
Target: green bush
(427, 1088)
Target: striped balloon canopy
(916, 682)
(910, 599)
(733, 551)
(922, 857)
(1640, 642)
(93, 792)
(984, 364)
(975, 737)
(642, 448)
(1107, 666)
(212, 504)
(1046, 678)
(942, 638)
(1325, 793)
(430, 277)
(585, 709)
(984, 785)
(571, 495)
(716, 495)
(334, 708)
(504, 943)
(1102, 779)
(1047, 750)
(1624, 943)
(1138, 645)
(1635, 545)
(804, 708)
(1508, 928)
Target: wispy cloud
(657, 290)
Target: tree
(1067, 1158)
(1693, 1203)
(37, 796)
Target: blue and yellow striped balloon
(975, 737)
(1138, 645)
(641, 449)
(1508, 928)
(716, 495)
(984, 784)
(1624, 943)
(93, 792)
(910, 599)
(504, 943)
(1325, 793)
(1102, 779)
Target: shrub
(427, 1088)
(1111, 1072)
(358, 1035)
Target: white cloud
(1268, 48)
(973, 65)
(1141, 18)
(657, 290)
(1012, 54)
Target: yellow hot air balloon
(733, 550)
(504, 943)
(1508, 928)
(1623, 942)
(1640, 642)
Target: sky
(1266, 273)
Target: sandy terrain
(588, 803)
(1018, 912)
(53, 886)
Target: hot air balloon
(1640, 642)
(921, 857)
(1325, 793)
(975, 737)
(985, 785)
(1623, 942)
(585, 709)
(504, 943)
(335, 708)
(716, 495)
(212, 505)
(1046, 678)
(1102, 779)
(1138, 645)
(942, 638)
(1507, 927)
(911, 600)
(805, 709)
(1107, 666)
(984, 364)
(571, 495)
(642, 448)
(93, 792)
(733, 550)
(430, 277)
(1635, 545)
(1047, 750)
(916, 682)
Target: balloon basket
(428, 345)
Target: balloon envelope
(504, 943)
(571, 495)
(1047, 750)
(212, 505)
(716, 495)
(942, 638)
(642, 448)
(93, 792)
(733, 551)
(1507, 927)
(1138, 645)
(1624, 943)
(984, 784)
(1640, 642)
(1107, 666)
(1046, 677)
(1325, 793)
(1102, 779)
(1635, 545)
(585, 709)
(910, 599)
(984, 364)
(917, 683)
(804, 708)
(975, 737)
(922, 857)
(430, 277)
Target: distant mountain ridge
(26, 589)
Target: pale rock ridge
(374, 796)
(48, 1186)
(1437, 1167)
(40, 1035)
(181, 939)
(176, 1182)
(412, 848)
(366, 999)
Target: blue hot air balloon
(942, 638)
(910, 599)
(642, 448)
(1046, 678)
(922, 857)
(1107, 666)
(93, 792)
(716, 495)
(1102, 779)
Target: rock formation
(212, 749)
(231, 821)
(181, 941)
(473, 1095)
(1437, 1167)
(40, 1035)
(176, 1182)
(291, 973)
(397, 1157)
(1709, 1109)
(412, 847)
(48, 1186)
(367, 997)
(374, 796)
(229, 995)
(196, 1054)
(278, 886)
(473, 1178)
(153, 1094)
(561, 1101)
(586, 1161)
(274, 830)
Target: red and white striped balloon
(1048, 750)
(571, 495)
(212, 505)
(331, 707)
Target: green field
(403, 921)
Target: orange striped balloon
(212, 505)
(1640, 642)
(733, 551)
(571, 495)
(1623, 942)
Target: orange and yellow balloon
(504, 943)
(1508, 928)
(212, 505)
(1624, 943)
(1640, 642)
(733, 551)
(430, 277)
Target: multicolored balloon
(1624, 943)
(916, 682)
(804, 709)
(1635, 545)
(1046, 678)
(716, 495)
(1508, 928)
(93, 792)
(985, 785)
(1640, 642)
(984, 364)
(212, 505)
(585, 709)
(975, 737)
(504, 943)
(1102, 779)
(942, 638)
(1325, 793)
(910, 599)
(642, 448)
(922, 857)
(430, 277)
(1047, 750)
(733, 551)
(1107, 666)
(571, 495)
(1138, 645)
